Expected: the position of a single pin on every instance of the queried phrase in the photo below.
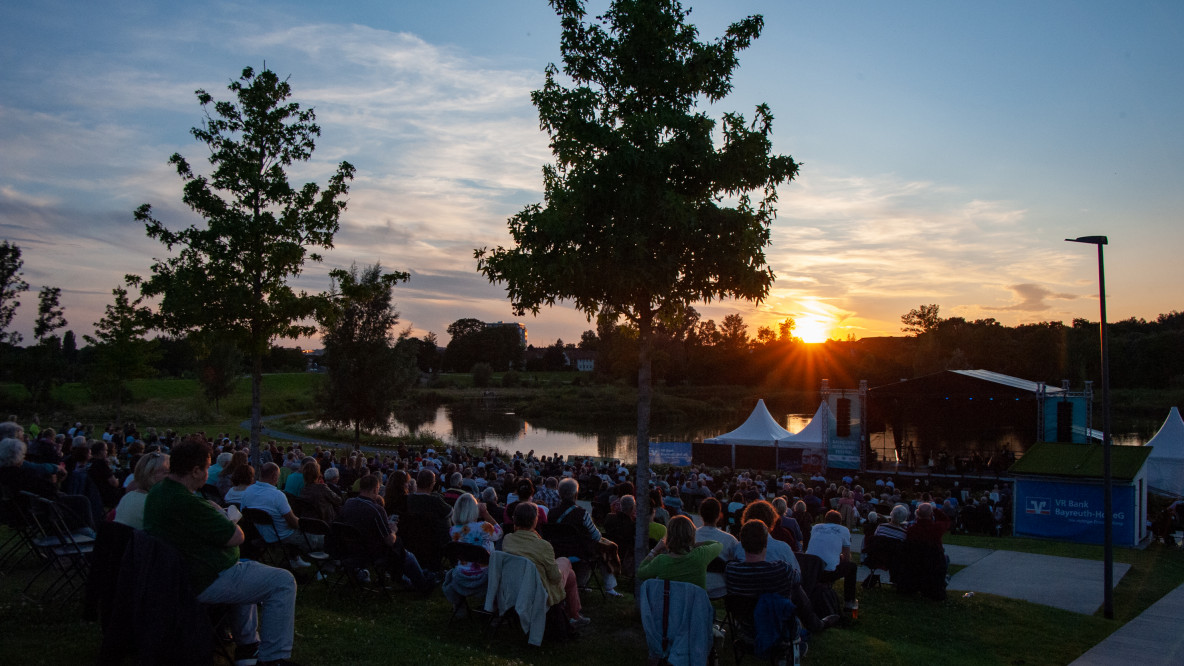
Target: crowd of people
(789, 535)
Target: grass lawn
(348, 627)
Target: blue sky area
(948, 148)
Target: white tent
(761, 429)
(1165, 465)
(814, 435)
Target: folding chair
(741, 611)
(310, 526)
(19, 545)
(211, 492)
(456, 552)
(62, 551)
(516, 587)
(269, 548)
(354, 556)
(302, 507)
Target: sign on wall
(670, 453)
(1072, 511)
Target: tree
(50, 316)
(121, 352)
(428, 353)
(218, 368)
(464, 344)
(634, 221)
(921, 320)
(588, 340)
(233, 272)
(366, 372)
(11, 286)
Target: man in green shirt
(208, 541)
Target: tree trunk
(641, 539)
(256, 407)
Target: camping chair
(569, 542)
(515, 586)
(19, 544)
(456, 552)
(302, 507)
(678, 619)
(882, 553)
(418, 535)
(211, 492)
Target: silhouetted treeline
(1143, 354)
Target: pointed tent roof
(761, 429)
(1166, 471)
(815, 432)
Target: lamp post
(1107, 500)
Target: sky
(947, 149)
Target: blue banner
(670, 453)
(843, 454)
(1072, 511)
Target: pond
(478, 424)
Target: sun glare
(813, 330)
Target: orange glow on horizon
(813, 330)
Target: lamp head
(1092, 240)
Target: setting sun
(813, 330)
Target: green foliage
(121, 352)
(258, 228)
(482, 375)
(472, 341)
(367, 373)
(50, 316)
(218, 369)
(11, 286)
(921, 320)
(511, 379)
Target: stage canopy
(761, 429)
(1165, 469)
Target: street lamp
(1107, 500)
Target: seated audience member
(397, 488)
(366, 514)
(831, 541)
(548, 495)
(776, 551)
(924, 563)
(895, 527)
(709, 511)
(619, 527)
(658, 508)
(332, 480)
(225, 478)
(100, 473)
(317, 491)
(243, 478)
(677, 557)
(150, 470)
(433, 511)
(525, 493)
(220, 463)
(266, 496)
(786, 528)
(454, 490)
(558, 577)
(208, 542)
(883, 548)
(294, 484)
(567, 512)
(489, 499)
(754, 575)
(673, 501)
(471, 523)
(805, 521)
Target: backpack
(825, 601)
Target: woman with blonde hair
(677, 557)
(471, 524)
(150, 470)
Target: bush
(511, 379)
(482, 374)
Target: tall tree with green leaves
(218, 367)
(121, 351)
(232, 273)
(643, 212)
(921, 319)
(11, 286)
(366, 370)
(50, 315)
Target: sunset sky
(947, 148)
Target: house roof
(1080, 460)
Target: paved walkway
(1151, 639)
(1061, 582)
